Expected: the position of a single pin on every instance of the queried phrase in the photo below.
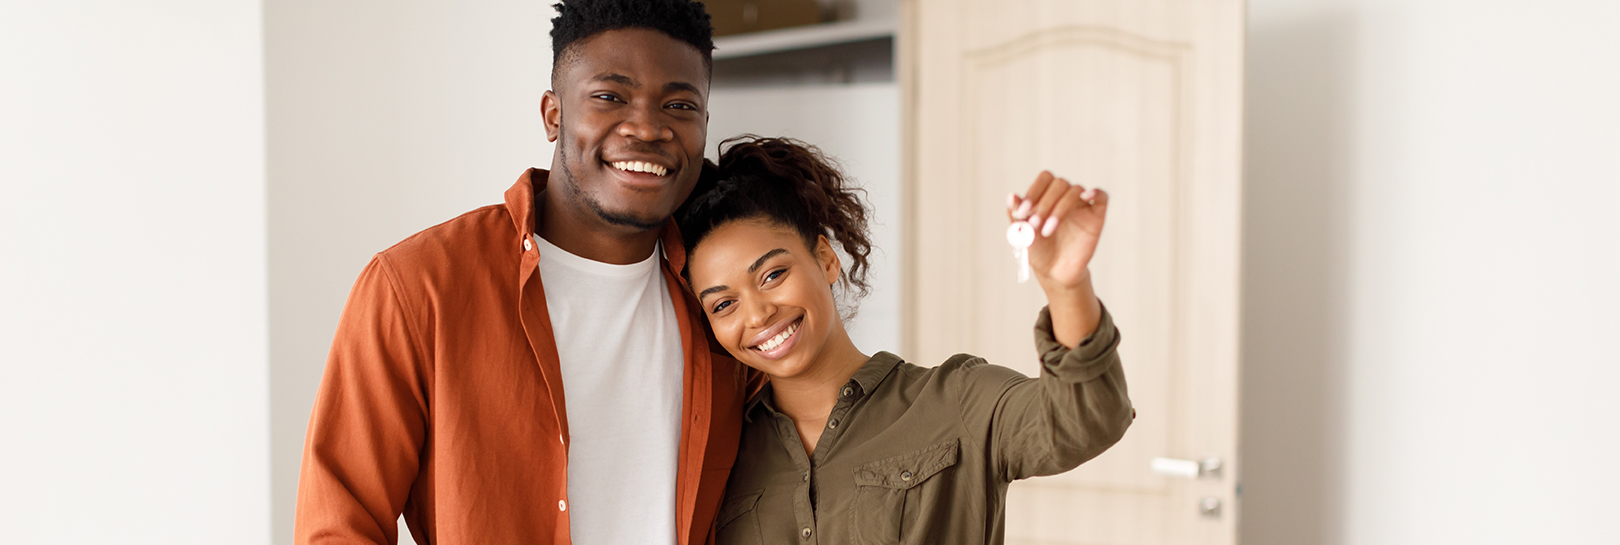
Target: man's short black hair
(683, 20)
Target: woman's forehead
(737, 244)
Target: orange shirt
(443, 399)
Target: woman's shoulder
(960, 370)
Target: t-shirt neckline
(549, 251)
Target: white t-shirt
(621, 369)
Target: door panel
(1140, 98)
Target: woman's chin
(784, 368)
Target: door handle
(1190, 469)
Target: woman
(842, 447)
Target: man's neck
(583, 234)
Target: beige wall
(133, 369)
(1431, 264)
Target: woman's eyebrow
(751, 269)
(706, 292)
(761, 260)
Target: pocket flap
(906, 470)
(736, 506)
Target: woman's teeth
(776, 341)
(638, 166)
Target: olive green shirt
(923, 455)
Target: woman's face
(767, 296)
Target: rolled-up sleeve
(1075, 410)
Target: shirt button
(562, 505)
(806, 476)
(527, 245)
(832, 423)
(805, 533)
(848, 391)
(905, 475)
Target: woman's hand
(1068, 222)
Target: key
(1020, 235)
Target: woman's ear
(830, 266)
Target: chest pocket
(896, 494)
(737, 522)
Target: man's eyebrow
(620, 79)
(681, 86)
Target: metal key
(1020, 235)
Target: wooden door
(1142, 98)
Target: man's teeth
(776, 341)
(639, 166)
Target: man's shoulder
(474, 240)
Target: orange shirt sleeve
(362, 451)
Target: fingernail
(1012, 200)
(1035, 222)
(1050, 227)
(1089, 193)
(1023, 209)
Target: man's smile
(640, 166)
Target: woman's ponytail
(788, 182)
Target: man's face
(630, 116)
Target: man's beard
(579, 195)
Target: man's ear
(828, 259)
(551, 112)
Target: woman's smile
(778, 344)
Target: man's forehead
(634, 57)
(633, 83)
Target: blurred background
(1427, 306)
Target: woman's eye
(773, 275)
(720, 307)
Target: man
(535, 371)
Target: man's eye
(683, 106)
(605, 96)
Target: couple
(640, 347)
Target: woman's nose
(760, 312)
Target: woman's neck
(809, 398)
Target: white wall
(385, 118)
(133, 346)
(1431, 272)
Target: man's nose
(646, 124)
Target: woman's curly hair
(789, 183)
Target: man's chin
(639, 222)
